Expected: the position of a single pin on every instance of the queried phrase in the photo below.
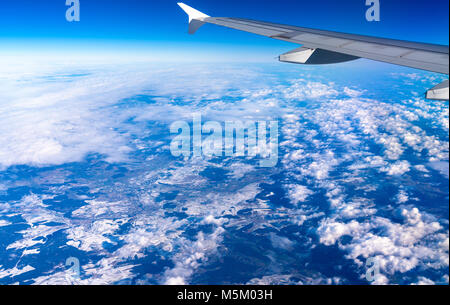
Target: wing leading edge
(326, 47)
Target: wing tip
(195, 17)
(192, 12)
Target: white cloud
(419, 241)
(397, 169)
(424, 281)
(93, 237)
(441, 167)
(38, 218)
(51, 117)
(301, 90)
(192, 256)
(4, 223)
(281, 242)
(210, 219)
(299, 193)
(15, 271)
(175, 281)
(402, 197)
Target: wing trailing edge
(310, 56)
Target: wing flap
(439, 92)
(315, 57)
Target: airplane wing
(327, 47)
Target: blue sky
(159, 26)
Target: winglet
(195, 17)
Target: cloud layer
(357, 177)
